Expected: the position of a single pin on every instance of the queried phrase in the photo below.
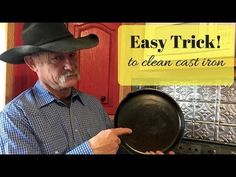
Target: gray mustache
(68, 74)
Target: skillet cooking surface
(155, 118)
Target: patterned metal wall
(210, 111)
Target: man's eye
(60, 57)
(71, 55)
(57, 58)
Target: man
(53, 117)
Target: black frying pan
(155, 118)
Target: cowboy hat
(50, 37)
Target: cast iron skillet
(155, 118)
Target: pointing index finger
(122, 131)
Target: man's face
(57, 70)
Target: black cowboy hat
(51, 37)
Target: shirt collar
(44, 97)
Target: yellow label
(181, 54)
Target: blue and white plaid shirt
(36, 122)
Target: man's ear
(30, 62)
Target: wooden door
(98, 66)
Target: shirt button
(76, 130)
(56, 152)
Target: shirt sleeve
(84, 148)
(16, 136)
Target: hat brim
(16, 55)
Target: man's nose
(69, 64)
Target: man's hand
(107, 141)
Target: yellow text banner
(181, 54)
